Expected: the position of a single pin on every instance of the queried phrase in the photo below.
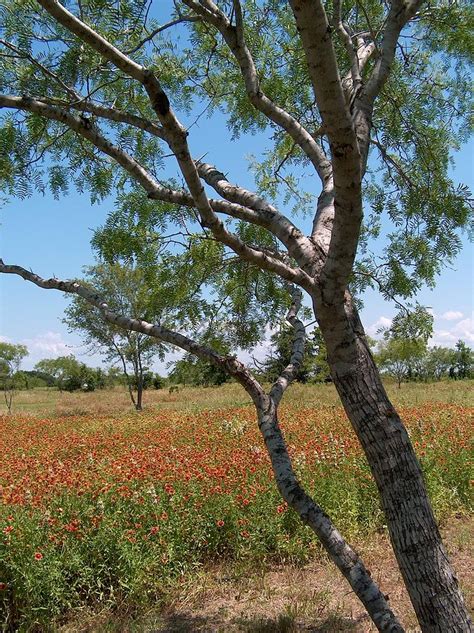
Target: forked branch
(176, 137)
(297, 352)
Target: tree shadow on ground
(184, 623)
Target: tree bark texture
(429, 578)
(138, 405)
(344, 557)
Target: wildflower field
(112, 509)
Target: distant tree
(405, 344)
(10, 361)
(158, 381)
(34, 378)
(190, 370)
(64, 370)
(314, 367)
(464, 360)
(127, 289)
(100, 378)
(398, 356)
(114, 376)
(69, 374)
(438, 361)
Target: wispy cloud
(463, 330)
(49, 344)
(451, 315)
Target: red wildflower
(38, 555)
(220, 523)
(3, 586)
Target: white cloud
(452, 315)
(259, 353)
(382, 322)
(463, 330)
(49, 343)
(4, 339)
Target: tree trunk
(138, 405)
(345, 558)
(430, 581)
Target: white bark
(234, 38)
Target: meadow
(107, 514)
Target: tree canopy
(10, 360)
(129, 290)
(362, 102)
(73, 132)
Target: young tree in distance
(405, 343)
(10, 360)
(96, 89)
(438, 361)
(62, 369)
(69, 374)
(127, 292)
(397, 357)
(195, 371)
(464, 359)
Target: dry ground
(286, 599)
(50, 402)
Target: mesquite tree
(364, 99)
(127, 289)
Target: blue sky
(53, 238)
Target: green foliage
(422, 116)
(10, 360)
(399, 356)
(404, 347)
(464, 360)
(314, 367)
(128, 292)
(439, 362)
(194, 371)
(158, 381)
(68, 374)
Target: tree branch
(85, 128)
(315, 33)
(297, 354)
(164, 27)
(298, 245)
(401, 12)
(228, 363)
(354, 81)
(155, 191)
(235, 40)
(176, 139)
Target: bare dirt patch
(312, 598)
(285, 598)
